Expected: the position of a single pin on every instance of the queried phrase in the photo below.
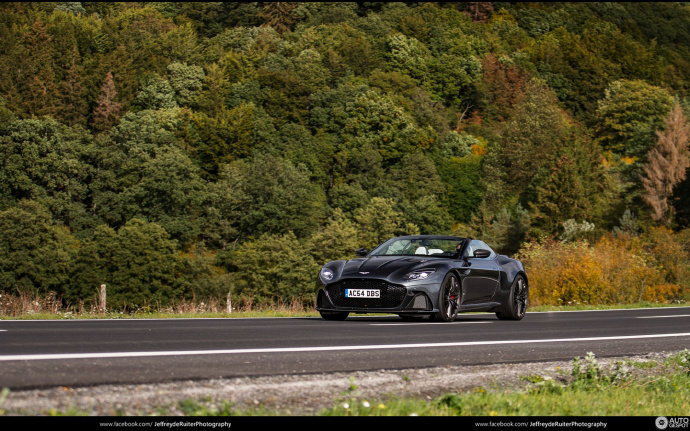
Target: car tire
(334, 315)
(517, 301)
(449, 299)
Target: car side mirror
(481, 253)
(361, 252)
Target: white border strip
(58, 356)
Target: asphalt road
(35, 354)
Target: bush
(651, 268)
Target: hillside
(180, 151)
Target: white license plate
(362, 293)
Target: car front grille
(392, 295)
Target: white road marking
(56, 356)
(425, 323)
(3, 330)
(661, 317)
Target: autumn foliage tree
(666, 165)
(107, 110)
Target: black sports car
(424, 275)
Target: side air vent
(420, 302)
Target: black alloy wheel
(449, 299)
(517, 301)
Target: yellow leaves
(613, 270)
(478, 149)
(660, 292)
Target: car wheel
(517, 301)
(334, 315)
(449, 299)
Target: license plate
(362, 293)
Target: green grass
(667, 394)
(287, 313)
(157, 315)
(589, 391)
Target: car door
(481, 275)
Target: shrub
(616, 269)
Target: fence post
(101, 299)
(229, 302)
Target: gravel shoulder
(291, 394)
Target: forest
(182, 151)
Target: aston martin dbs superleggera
(424, 275)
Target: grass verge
(625, 388)
(589, 391)
(280, 312)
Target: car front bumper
(394, 298)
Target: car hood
(385, 266)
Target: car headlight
(326, 274)
(420, 274)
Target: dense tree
(272, 268)
(41, 93)
(276, 197)
(195, 137)
(186, 80)
(278, 15)
(337, 239)
(630, 113)
(35, 254)
(106, 113)
(155, 93)
(667, 164)
(576, 187)
(47, 162)
(138, 263)
(536, 128)
(378, 221)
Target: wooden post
(101, 299)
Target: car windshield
(435, 247)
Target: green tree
(337, 239)
(155, 93)
(576, 186)
(39, 88)
(537, 126)
(629, 114)
(272, 268)
(186, 80)
(276, 197)
(47, 162)
(507, 229)
(379, 221)
(229, 135)
(138, 263)
(36, 255)
(74, 108)
(462, 177)
(169, 191)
